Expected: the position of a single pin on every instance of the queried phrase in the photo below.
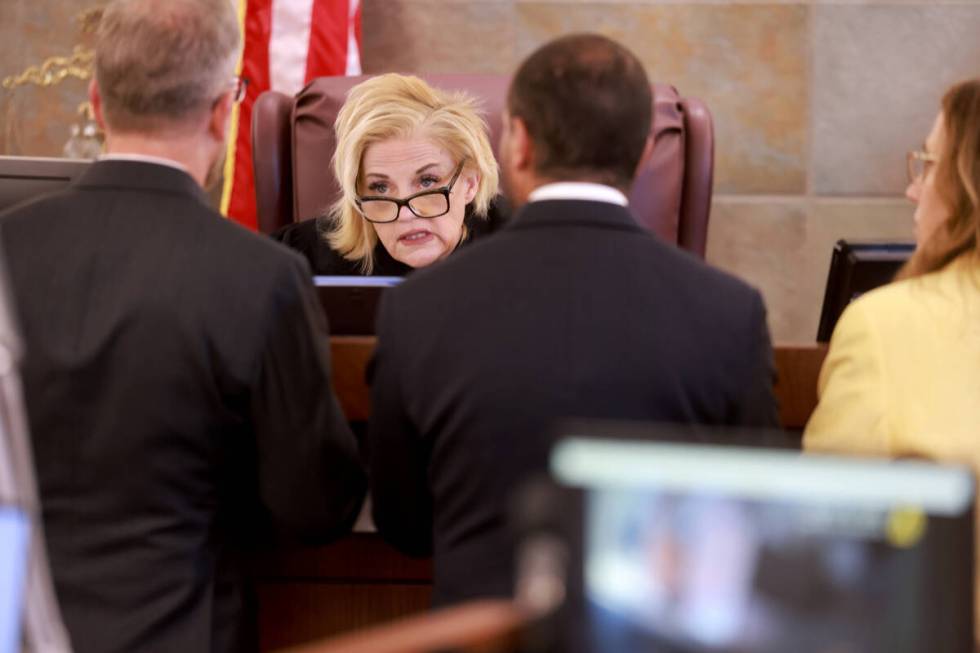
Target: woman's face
(401, 167)
(931, 210)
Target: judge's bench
(308, 594)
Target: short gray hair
(160, 63)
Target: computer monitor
(351, 303)
(695, 548)
(856, 268)
(24, 178)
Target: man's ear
(521, 146)
(221, 117)
(95, 98)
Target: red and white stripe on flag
(286, 44)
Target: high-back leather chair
(293, 142)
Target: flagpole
(229, 165)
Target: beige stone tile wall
(782, 245)
(815, 102)
(747, 62)
(879, 72)
(437, 36)
(34, 120)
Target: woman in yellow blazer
(902, 377)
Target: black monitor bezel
(31, 168)
(847, 256)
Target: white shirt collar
(145, 158)
(578, 190)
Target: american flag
(286, 44)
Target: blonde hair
(398, 106)
(158, 64)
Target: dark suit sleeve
(756, 406)
(310, 478)
(398, 457)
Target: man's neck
(186, 152)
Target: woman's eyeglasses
(427, 204)
(917, 164)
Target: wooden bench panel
(360, 581)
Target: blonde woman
(903, 373)
(418, 179)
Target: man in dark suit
(176, 374)
(572, 310)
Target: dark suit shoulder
(681, 263)
(37, 208)
(617, 258)
(176, 235)
(597, 245)
(251, 243)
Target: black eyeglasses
(239, 86)
(427, 204)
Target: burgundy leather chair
(293, 141)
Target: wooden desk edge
(486, 626)
(797, 368)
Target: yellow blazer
(902, 376)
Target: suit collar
(145, 158)
(566, 212)
(140, 175)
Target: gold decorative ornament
(85, 138)
(55, 70)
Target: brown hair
(957, 176)
(587, 105)
(158, 64)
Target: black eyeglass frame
(399, 203)
(239, 89)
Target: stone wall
(35, 121)
(815, 103)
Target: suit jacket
(178, 388)
(308, 238)
(43, 628)
(572, 310)
(902, 377)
